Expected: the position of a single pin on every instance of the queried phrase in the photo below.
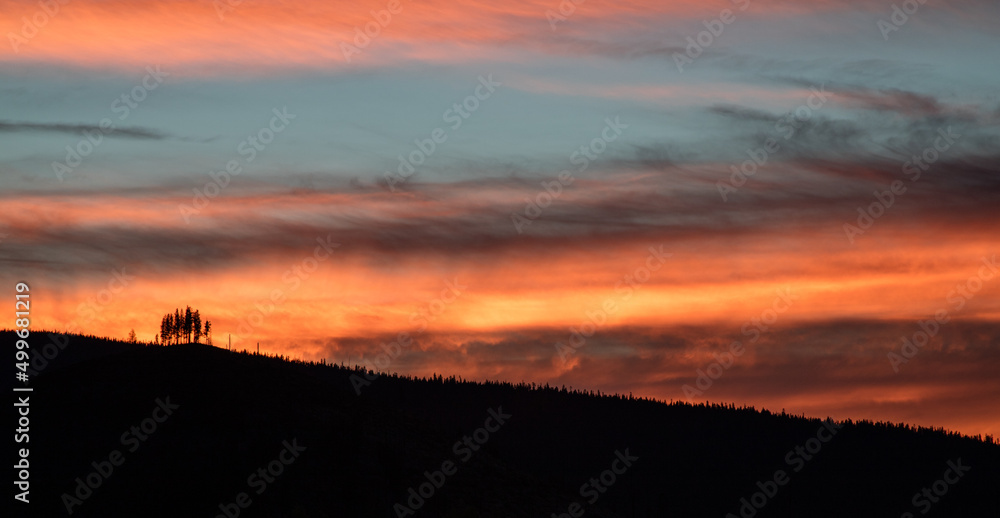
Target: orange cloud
(239, 37)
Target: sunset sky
(488, 177)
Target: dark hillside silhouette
(237, 412)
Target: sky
(782, 204)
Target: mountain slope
(227, 415)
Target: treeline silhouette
(458, 382)
(184, 326)
(365, 451)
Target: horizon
(755, 202)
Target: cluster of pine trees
(184, 327)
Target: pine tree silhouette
(178, 324)
(184, 326)
(187, 324)
(196, 326)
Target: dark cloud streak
(134, 132)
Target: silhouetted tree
(131, 337)
(187, 324)
(166, 328)
(196, 326)
(178, 326)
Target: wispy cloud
(133, 132)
